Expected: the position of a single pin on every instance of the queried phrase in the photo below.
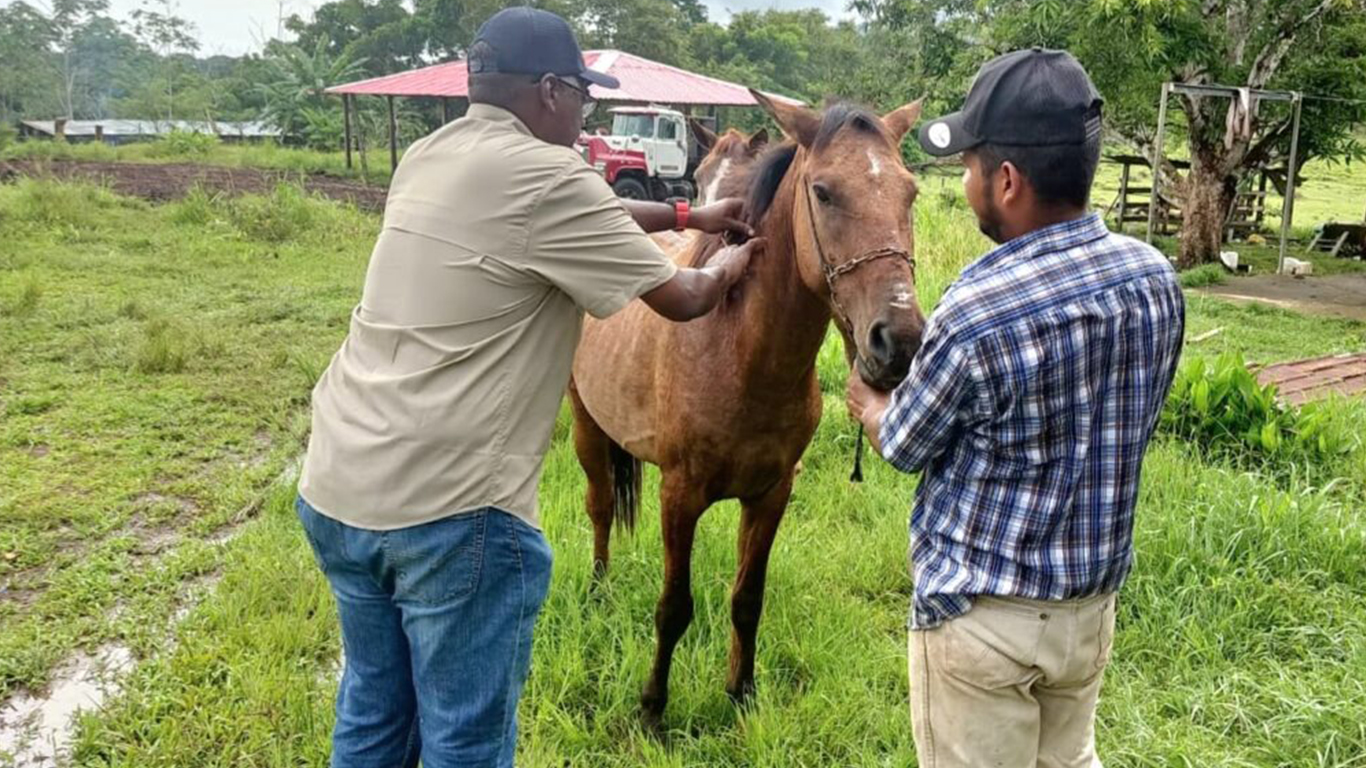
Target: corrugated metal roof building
(122, 131)
(642, 81)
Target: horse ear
(798, 123)
(758, 141)
(903, 119)
(706, 138)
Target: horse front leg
(759, 521)
(681, 506)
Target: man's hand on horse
(866, 405)
(721, 217)
(732, 260)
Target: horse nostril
(881, 343)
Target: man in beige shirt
(418, 492)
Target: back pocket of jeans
(439, 562)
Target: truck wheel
(630, 189)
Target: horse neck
(783, 322)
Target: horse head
(727, 156)
(852, 232)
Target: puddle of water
(36, 731)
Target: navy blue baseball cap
(1031, 98)
(529, 41)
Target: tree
(795, 52)
(1130, 49)
(70, 20)
(293, 96)
(172, 37)
(382, 32)
(654, 29)
(26, 37)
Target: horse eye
(822, 193)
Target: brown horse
(726, 404)
(730, 153)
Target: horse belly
(614, 374)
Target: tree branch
(1269, 59)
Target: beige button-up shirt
(444, 395)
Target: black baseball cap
(1030, 98)
(529, 41)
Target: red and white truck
(648, 154)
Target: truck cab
(647, 154)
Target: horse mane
(760, 186)
(757, 188)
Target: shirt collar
(494, 114)
(1054, 237)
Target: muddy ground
(161, 183)
(1332, 295)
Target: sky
(234, 27)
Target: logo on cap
(939, 135)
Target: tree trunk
(1204, 207)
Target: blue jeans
(436, 626)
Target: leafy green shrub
(179, 143)
(1221, 407)
(7, 136)
(284, 214)
(59, 203)
(1203, 275)
(197, 208)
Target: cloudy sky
(233, 27)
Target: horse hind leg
(759, 521)
(614, 479)
(681, 506)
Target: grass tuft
(165, 348)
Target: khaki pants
(1011, 684)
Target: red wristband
(681, 212)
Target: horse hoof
(652, 708)
(741, 695)
(652, 722)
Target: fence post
(1288, 204)
(1159, 151)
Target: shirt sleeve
(924, 414)
(582, 240)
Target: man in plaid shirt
(1028, 408)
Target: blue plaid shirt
(1029, 406)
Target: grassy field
(154, 370)
(263, 155)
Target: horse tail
(626, 476)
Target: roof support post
(393, 137)
(346, 121)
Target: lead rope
(841, 317)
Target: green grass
(1241, 633)
(263, 155)
(150, 386)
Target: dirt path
(1332, 295)
(171, 181)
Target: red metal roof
(642, 80)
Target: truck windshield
(634, 125)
